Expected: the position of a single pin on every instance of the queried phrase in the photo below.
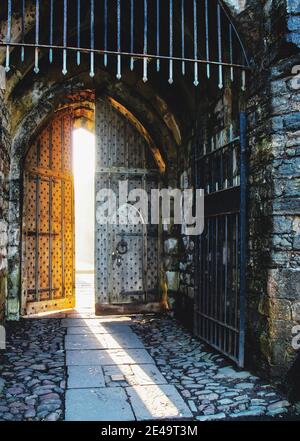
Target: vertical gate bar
(234, 269)
(207, 38)
(119, 75)
(220, 288)
(221, 278)
(243, 80)
(211, 234)
(213, 275)
(208, 275)
(231, 52)
(226, 276)
(211, 272)
(105, 31)
(197, 251)
(78, 55)
(202, 280)
(237, 277)
(243, 219)
(23, 31)
(198, 242)
(203, 287)
(235, 320)
(37, 32)
(8, 36)
(232, 294)
(158, 34)
(205, 284)
(217, 276)
(51, 32)
(92, 39)
(171, 41)
(145, 59)
(131, 33)
(220, 45)
(182, 37)
(196, 82)
(65, 30)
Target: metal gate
(193, 38)
(126, 255)
(220, 255)
(48, 220)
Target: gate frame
(242, 246)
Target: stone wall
(274, 169)
(4, 172)
(274, 276)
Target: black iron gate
(221, 252)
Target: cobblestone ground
(32, 371)
(212, 388)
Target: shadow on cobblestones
(32, 371)
(212, 387)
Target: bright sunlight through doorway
(84, 192)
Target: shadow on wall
(293, 381)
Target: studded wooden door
(126, 254)
(48, 220)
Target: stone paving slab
(106, 404)
(157, 402)
(96, 330)
(85, 377)
(105, 322)
(104, 357)
(132, 375)
(103, 341)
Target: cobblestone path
(213, 388)
(32, 371)
(124, 369)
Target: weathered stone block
(284, 283)
(280, 330)
(296, 311)
(280, 309)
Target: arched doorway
(124, 280)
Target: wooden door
(48, 220)
(126, 255)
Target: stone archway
(36, 116)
